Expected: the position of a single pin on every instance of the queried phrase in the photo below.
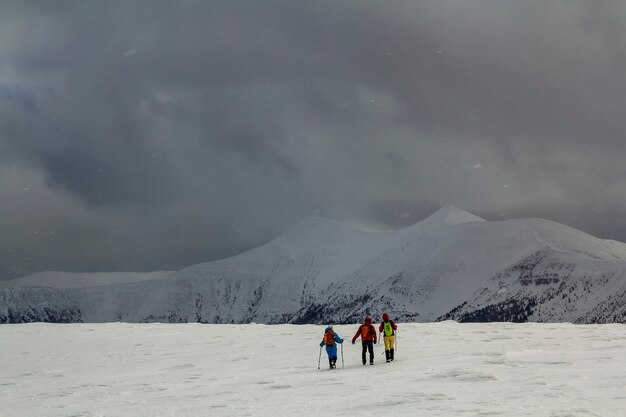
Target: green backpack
(388, 328)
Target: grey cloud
(198, 129)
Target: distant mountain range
(452, 265)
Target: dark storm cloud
(151, 135)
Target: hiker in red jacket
(368, 338)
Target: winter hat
(385, 316)
(368, 319)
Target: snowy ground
(442, 369)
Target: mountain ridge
(451, 265)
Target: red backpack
(365, 331)
(329, 337)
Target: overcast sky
(148, 135)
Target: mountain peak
(451, 216)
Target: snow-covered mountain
(452, 265)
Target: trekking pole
(319, 360)
(384, 347)
(342, 356)
(395, 340)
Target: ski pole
(342, 355)
(319, 360)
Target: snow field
(442, 369)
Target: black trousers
(368, 345)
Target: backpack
(329, 338)
(388, 328)
(365, 332)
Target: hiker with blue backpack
(330, 340)
(388, 329)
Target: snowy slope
(441, 369)
(58, 279)
(452, 265)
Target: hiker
(388, 329)
(368, 338)
(330, 340)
